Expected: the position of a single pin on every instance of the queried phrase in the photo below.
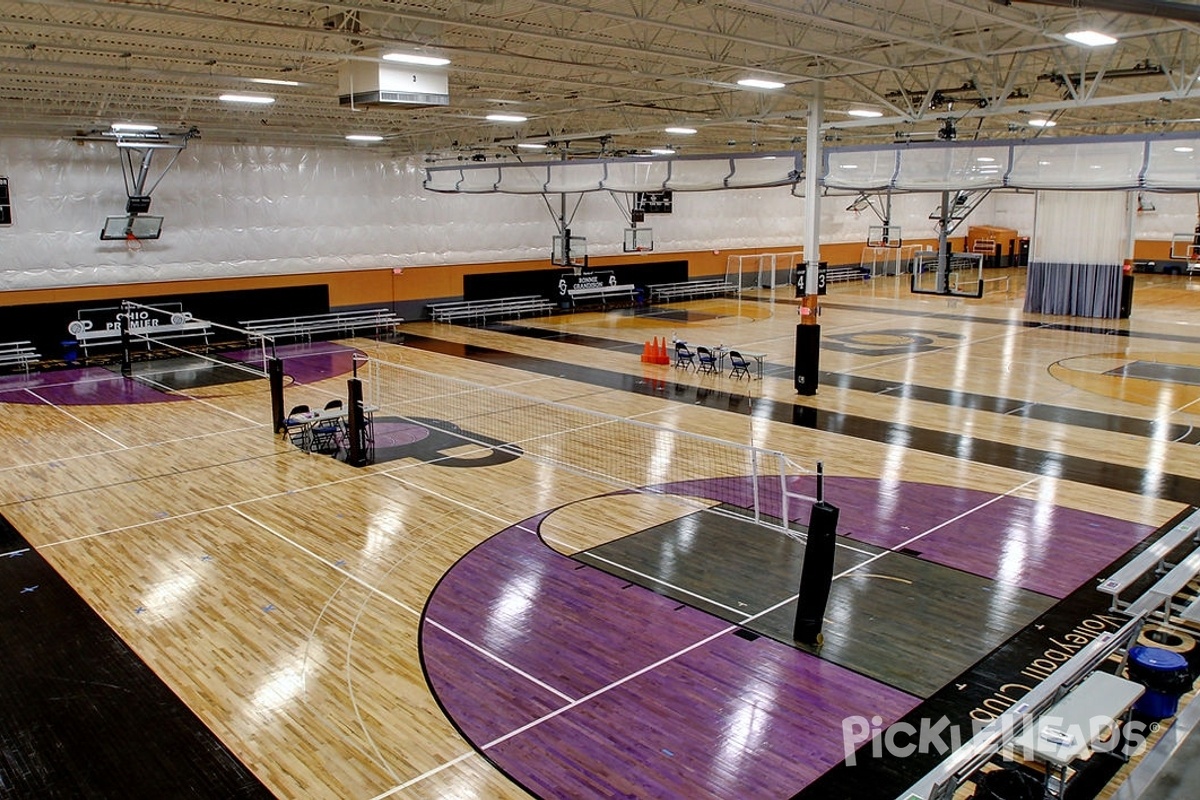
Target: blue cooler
(1165, 676)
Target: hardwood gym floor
(454, 621)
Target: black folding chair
(326, 435)
(297, 428)
(684, 357)
(740, 365)
(708, 362)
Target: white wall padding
(953, 168)
(860, 169)
(1079, 165)
(1174, 164)
(238, 211)
(637, 176)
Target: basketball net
(132, 243)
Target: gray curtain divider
(1078, 290)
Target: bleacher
(480, 311)
(338, 323)
(666, 292)
(848, 272)
(602, 293)
(18, 354)
(1155, 604)
(1153, 557)
(188, 328)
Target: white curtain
(1079, 242)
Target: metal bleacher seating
(18, 354)
(188, 328)
(688, 290)
(848, 272)
(339, 323)
(1153, 557)
(602, 293)
(480, 311)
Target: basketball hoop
(132, 243)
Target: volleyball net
(175, 349)
(629, 455)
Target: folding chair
(684, 357)
(708, 362)
(326, 435)
(297, 429)
(740, 365)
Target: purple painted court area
(1028, 543)
(78, 387)
(625, 693)
(304, 362)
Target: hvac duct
(1165, 9)
(379, 83)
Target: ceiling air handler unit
(380, 83)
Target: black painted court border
(1030, 460)
(1023, 409)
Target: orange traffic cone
(663, 358)
(646, 353)
(654, 351)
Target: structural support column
(813, 160)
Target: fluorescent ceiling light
(662, 151)
(413, 58)
(1042, 123)
(133, 127)
(848, 166)
(1091, 38)
(867, 113)
(985, 159)
(259, 99)
(1180, 149)
(532, 145)
(506, 118)
(275, 82)
(363, 137)
(680, 131)
(759, 83)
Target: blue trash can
(1165, 676)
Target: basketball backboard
(639, 240)
(139, 226)
(568, 251)
(884, 236)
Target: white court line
(661, 582)
(359, 476)
(609, 687)
(896, 548)
(405, 607)
(427, 774)
(493, 657)
(180, 393)
(66, 413)
(95, 453)
(684, 651)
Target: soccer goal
(751, 271)
(960, 276)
